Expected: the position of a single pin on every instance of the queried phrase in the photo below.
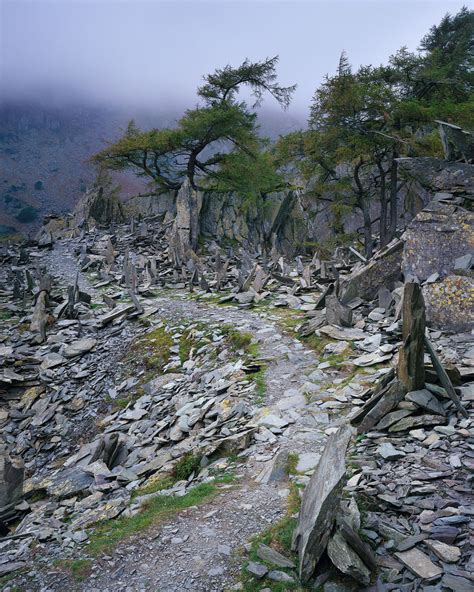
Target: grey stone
(411, 366)
(268, 554)
(388, 452)
(457, 583)
(424, 399)
(447, 553)
(307, 461)
(11, 478)
(257, 569)
(79, 347)
(411, 422)
(280, 576)
(419, 563)
(346, 559)
(464, 262)
(320, 503)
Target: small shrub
(186, 466)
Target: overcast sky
(150, 53)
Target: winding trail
(197, 550)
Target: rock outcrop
(457, 143)
(98, 207)
(11, 478)
(439, 244)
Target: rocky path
(198, 549)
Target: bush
(27, 214)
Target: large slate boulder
(450, 303)
(435, 239)
(366, 280)
(98, 206)
(320, 504)
(439, 242)
(185, 230)
(458, 144)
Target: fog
(152, 54)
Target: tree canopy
(362, 121)
(210, 142)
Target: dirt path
(197, 549)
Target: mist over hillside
(45, 151)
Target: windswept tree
(216, 145)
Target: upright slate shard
(320, 503)
(411, 365)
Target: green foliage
(292, 463)
(78, 568)
(39, 185)
(448, 64)
(361, 121)
(154, 484)
(27, 214)
(154, 349)
(215, 145)
(279, 536)
(238, 340)
(186, 466)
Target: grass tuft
(107, 535)
(79, 569)
(186, 466)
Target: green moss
(106, 536)
(291, 463)
(155, 349)
(258, 378)
(79, 569)
(239, 340)
(220, 476)
(154, 484)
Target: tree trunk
(365, 209)
(393, 195)
(368, 244)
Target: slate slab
(320, 503)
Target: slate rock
(79, 347)
(11, 478)
(280, 576)
(346, 559)
(457, 583)
(307, 461)
(419, 563)
(447, 553)
(426, 400)
(257, 569)
(411, 366)
(388, 452)
(409, 423)
(269, 555)
(67, 482)
(320, 503)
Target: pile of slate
(200, 406)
